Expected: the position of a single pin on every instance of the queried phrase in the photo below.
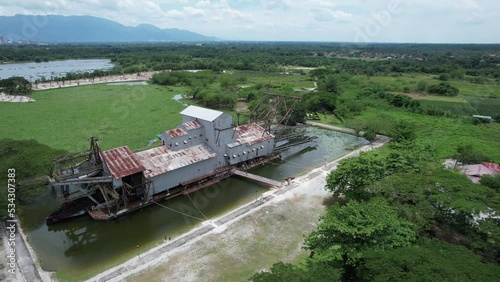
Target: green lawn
(119, 115)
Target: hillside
(87, 29)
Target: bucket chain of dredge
(272, 112)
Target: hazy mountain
(78, 29)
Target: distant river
(34, 71)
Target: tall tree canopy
(15, 86)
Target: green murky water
(81, 247)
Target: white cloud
(417, 20)
(326, 14)
(202, 4)
(276, 4)
(174, 14)
(194, 12)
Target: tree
(443, 89)
(496, 118)
(355, 125)
(431, 260)
(466, 154)
(329, 84)
(313, 271)
(15, 86)
(354, 174)
(458, 74)
(422, 86)
(370, 135)
(438, 198)
(320, 101)
(444, 77)
(403, 132)
(346, 232)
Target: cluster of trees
(404, 218)
(443, 89)
(211, 89)
(450, 62)
(30, 159)
(15, 86)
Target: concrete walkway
(333, 127)
(26, 269)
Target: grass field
(398, 84)
(119, 115)
(296, 81)
(442, 133)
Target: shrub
(444, 77)
(443, 89)
(370, 135)
(491, 181)
(422, 86)
(466, 154)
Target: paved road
(333, 127)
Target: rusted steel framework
(79, 164)
(205, 149)
(273, 113)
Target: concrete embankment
(245, 240)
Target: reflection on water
(82, 246)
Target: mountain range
(87, 29)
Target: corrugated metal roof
(477, 170)
(250, 134)
(201, 113)
(178, 132)
(191, 125)
(160, 160)
(492, 166)
(121, 162)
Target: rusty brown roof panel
(121, 162)
(178, 132)
(251, 134)
(160, 160)
(191, 125)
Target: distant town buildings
(19, 42)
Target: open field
(420, 96)
(442, 133)
(119, 115)
(295, 80)
(398, 83)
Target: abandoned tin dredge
(205, 149)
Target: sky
(410, 21)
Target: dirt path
(243, 241)
(105, 79)
(14, 98)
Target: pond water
(82, 246)
(34, 71)
(178, 98)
